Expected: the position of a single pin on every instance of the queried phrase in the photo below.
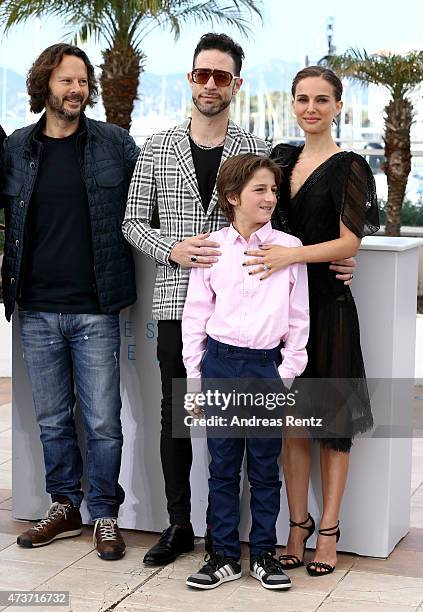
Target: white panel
(375, 512)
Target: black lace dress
(343, 188)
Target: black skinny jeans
(176, 453)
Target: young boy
(232, 327)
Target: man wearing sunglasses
(176, 172)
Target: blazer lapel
(186, 165)
(231, 147)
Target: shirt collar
(40, 125)
(262, 234)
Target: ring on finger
(351, 276)
(266, 268)
(194, 258)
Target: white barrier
(375, 512)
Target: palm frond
(237, 13)
(398, 73)
(174, 14)
(15, 12)
(125, 19)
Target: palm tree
(400, 74)
(123, 26)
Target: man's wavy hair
(39, 75)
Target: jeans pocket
(203, 358)
(276, 369)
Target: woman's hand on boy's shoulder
(270, 258)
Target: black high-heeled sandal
(293, 558)
(313, 565)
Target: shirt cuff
(194, 385)
(287, 376)
(166, 254)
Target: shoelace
(106, 529)
(213, 563)
(56, 509)
(270, 564)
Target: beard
(57, 105)
(211, 110)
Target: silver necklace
(206, 147)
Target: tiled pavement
(365, 584)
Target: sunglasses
(220, 77)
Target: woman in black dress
(328, 200)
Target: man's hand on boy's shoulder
(345, 269)
(196, 252)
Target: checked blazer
(164, 177)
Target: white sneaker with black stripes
(217, 570)
(269, 571)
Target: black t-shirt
(58, 275)
(206, 163)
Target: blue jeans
(64, 352)
(227, 454)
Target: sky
(291, 31)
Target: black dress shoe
(173, 541)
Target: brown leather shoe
(62, 521)
(108, 540)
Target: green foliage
(411, 214)
(398, 73)
(128, 22)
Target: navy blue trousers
(225, 361)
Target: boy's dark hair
(40, 71)
(319, 71)
(223, 43)
(235, 174)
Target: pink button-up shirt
(233, 307)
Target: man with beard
(69, 268)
